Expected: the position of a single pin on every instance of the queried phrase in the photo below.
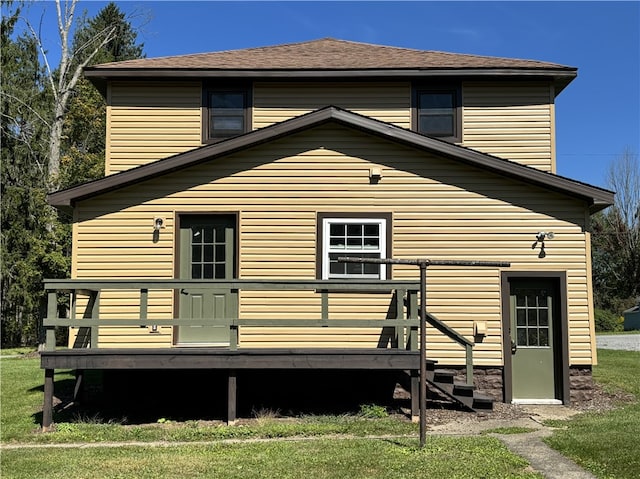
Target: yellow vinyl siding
(150, 121)
(441, 209)
(279, 101)
(510, 120)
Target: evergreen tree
(29, 247)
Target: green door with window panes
(532, 327)
(206, 251)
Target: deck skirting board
(200, 358)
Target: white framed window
(355, 237)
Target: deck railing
(404, 320)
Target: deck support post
(423, 351)
(47, 407)
(232, 399)
(415, 387)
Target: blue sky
(598, 114)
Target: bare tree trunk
(63, 83)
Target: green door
(532, 333)
(206, 251)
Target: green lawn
(319, 459)
(607, 444)
(315, 452)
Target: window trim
(322, 248)
(452, 87)
(240, 87)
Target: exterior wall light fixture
(541, 236)
(158, 223)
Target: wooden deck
(223, 359)
(400, 324)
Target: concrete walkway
(549, 462)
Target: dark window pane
(354, 268)
(196, 271)
(220, 271)
(336, 268)
(372, 269)
(196, 253)
(354, 243)
(207, 271)
(436, 100)
(532, 317)
(371, 243)
(208, 234)
(533, 337)
(371, 230)
(220, 252)
(337, 229)
(521, 317)
(196, 235)
(208, 253)
(227, 123)
(354, 230)
(543, 317)
(520, 300)
(439, 125)
(544, 336)
(522, 337)
(227, 100)
(337, 243)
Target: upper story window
(227, 112)
(362, 237)
(437, 112)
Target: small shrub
(607, 321)
(373, 411)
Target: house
(235, 180)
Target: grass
(321, 459)
(16, 351)
(313, 449)
(607, 443)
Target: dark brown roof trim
(560, 77)
(597, 198)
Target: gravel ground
(440, 414)
(626, 342)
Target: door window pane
(208, 252)
(532, 317)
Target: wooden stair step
(443, 376)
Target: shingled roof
(329, 57)
(329, 54)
